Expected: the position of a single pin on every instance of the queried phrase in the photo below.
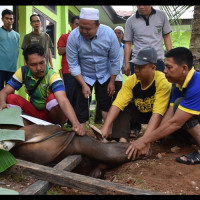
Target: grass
(55, 190)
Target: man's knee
(11, 99)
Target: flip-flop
(192, 158)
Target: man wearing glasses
(36, 36)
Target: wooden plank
(41, 187)
(76, 181)
(69, 163)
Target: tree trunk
(195, 38)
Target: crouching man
(184, 110)
(48, 99)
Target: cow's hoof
(97, 173)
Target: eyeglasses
(35, 21)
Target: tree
(195, 38)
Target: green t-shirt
(43, 39)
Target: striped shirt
(51, 83)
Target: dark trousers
(5, 76)
(121, 125)
(102, 98)
(192, 122)
(70, 88)
(98, 115)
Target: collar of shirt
(121, 44)
(6, 29)
(153, 11)
(187, 80)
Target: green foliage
(180, 39)
(16, 177)
(7, 160)
(55, 190)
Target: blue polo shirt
(190, 90)
(9, 50)
(95, 59)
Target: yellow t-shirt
(154, 98)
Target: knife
(89, 107)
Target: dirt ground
(158, 173)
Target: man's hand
(137, 148)
(104, 131)
(127, 69)
(2, 106)
(86, 91)
(78, 129)
(111, 88)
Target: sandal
(135, 133)
(192, 158)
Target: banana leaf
(6, 134)
(4, 191)
(11, 116)
(6, 160)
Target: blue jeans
(5, 76)
(70, 88)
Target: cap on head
(119, 28)
(89, 13)
(145, 55)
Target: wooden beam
(76, 181)
(41, 187)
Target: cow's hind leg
(108, 154)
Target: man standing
(69, 80)
(9, 48)
(148, 27)
(94, 60)
(36, 36)
(144, 98)
(119, 31)
(184, 109)
(48, 99)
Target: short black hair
(32, 49)
(96, 22)
(181, 55)
(6, 12)
(33, 16)
(73, 19)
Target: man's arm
(50, 58)
(166, 128)
(69, 112)
(167, 41)
(127, 53)
(61, 50)
(85, 88)
(3, 96)
(111, 116)
(111, 86)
